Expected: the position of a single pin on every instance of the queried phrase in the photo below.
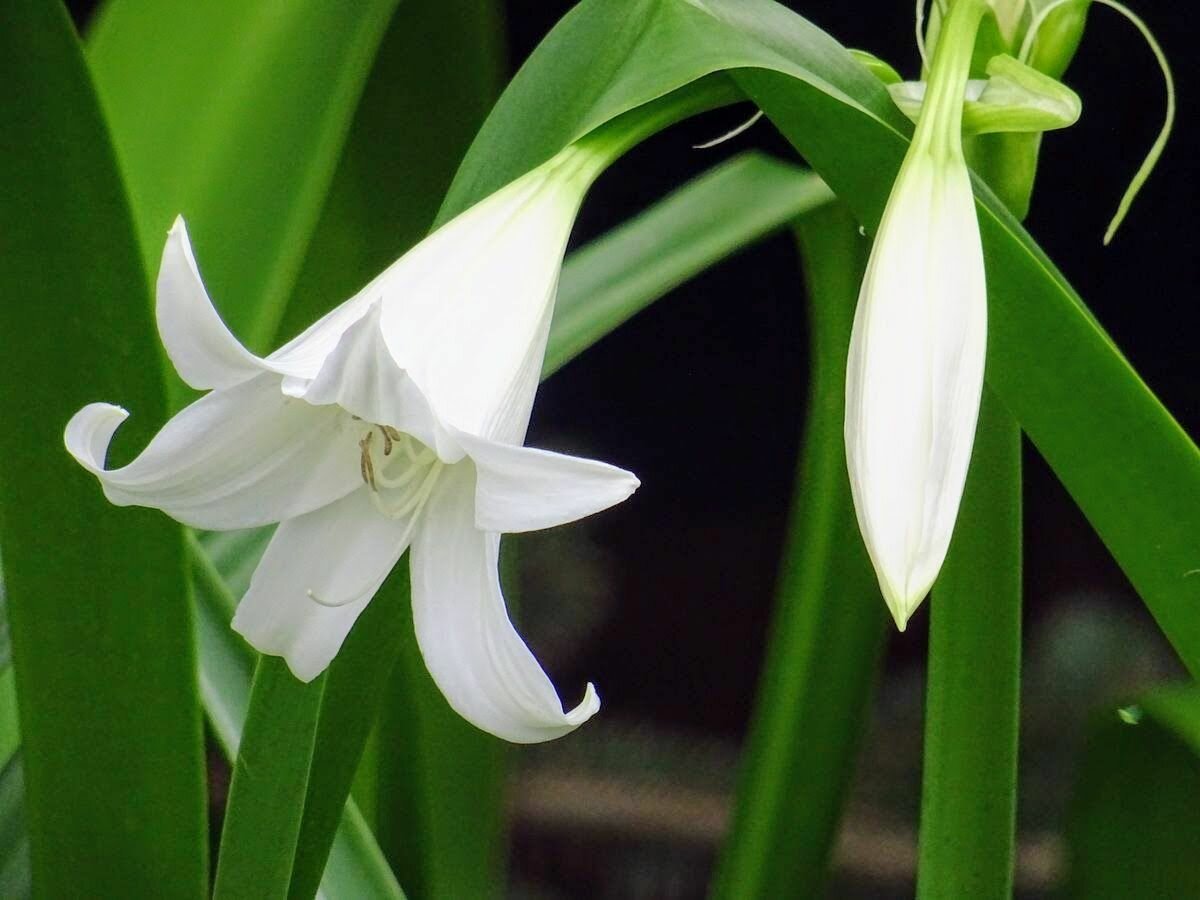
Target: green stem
(828, 628)
(968, 799)
(940, 124)
(262, 819)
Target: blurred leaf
(97, 598)
(10, 729)
(726, 208)
(262, 817)
(1133, 827)
(1126, 462)
(969, 774)
(437, 73)
(15, 883)
(827, 631)
(356, 867)
(233, 114)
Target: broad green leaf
(969, 774)
(97, 596)
(233, 114)
(827, 631)
(1133, 831)
(613, 278)
(1129, 466)
(618, 55)
(262, 817)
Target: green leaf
(969, 774)
(262, 817)
(356, 684)
(827, 632)
(615, 277)
(1132, 826)
(110, 720)
(618, 55)
(356, 867)
(15, 880)
(233, 113)
(1129, 466)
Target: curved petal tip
(89, 433)
(588, 707)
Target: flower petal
(465, 312)
(914, 377)
(524, 489)
(202, 349)
(471, 649)
(235, 458)
(361, 377)
(339, 554)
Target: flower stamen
(365, 463)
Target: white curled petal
(524, 489)
(340, 555)
(915, 376)
(89, 433)
(361, 377)
(202, 349)
(471, 649)
(236, 458)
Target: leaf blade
(112, 741)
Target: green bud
(1013, 98)
(1010, 18)
(1059, 32)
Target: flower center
(400, 473)
(399, 470)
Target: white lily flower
(396, 420)
(915, 371)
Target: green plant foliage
(15, 880)
(262, 817)
(827, 631)
(969, 775)
(1126, 462)
(1132, 828)
(613, 278)
(355, 866)
(109, 715)
(233, 114)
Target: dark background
(666, 601)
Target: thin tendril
(1156, 149)
(1164, 133)
(729, 134)
(921, 35)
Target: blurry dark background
(664, 602)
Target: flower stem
(939, 128)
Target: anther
(387, 441)
(365, 463)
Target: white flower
(915, 371)
(396, 420)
